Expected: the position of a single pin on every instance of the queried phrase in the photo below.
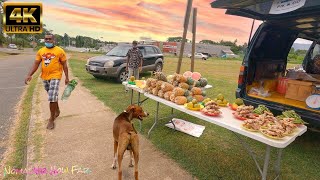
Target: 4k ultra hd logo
(22, 17)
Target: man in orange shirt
(53, 61)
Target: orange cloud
(158, 19)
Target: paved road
(13, 70)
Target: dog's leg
(131, 159)
(122, 146)
(135, 149)
(115, 149)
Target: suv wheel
(158, 67)
(122, 76)
(204, 59)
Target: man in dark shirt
(134, 61)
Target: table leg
(174, 126)
(155, 119)
(266, 163)
(139, 99)
(131, 102)
(277, 165)
(139, 105)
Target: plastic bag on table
(259, 92)
(67, 91)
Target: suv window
(156, 50)
(149, 50)
(316, 51)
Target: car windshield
(120, 51)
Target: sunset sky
(126, 20)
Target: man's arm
(32, 71)
(66, 72)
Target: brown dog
(126, 137)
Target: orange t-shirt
(51, 62)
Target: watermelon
(190, 81)
(187, 74)
(190, 87)
(196, 76)
(187, 93)
(203, 82)
(204, 93)
(189, 98)
(197, 84)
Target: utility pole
(185, 26)
(194, 30)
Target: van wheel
(122, 76)
(158, 67)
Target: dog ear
(130, 108)
(130, 111)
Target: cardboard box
(299, 90)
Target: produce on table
(261, 109)
(132, 78)
(251, 125)
(172, 97)
(266, 118)
(181, 79)
(288, 125)
(189, 98)
(187, 93)
(239, 101)
(211, 108)
(161, 93)
(140, 83)
(160, 76)
(155, 91)
(197, 84)
(165, 87)
(245, 112)
(178, 91)
(275, 131)
(190, 81)
(167, 95)
(154, 83)
(159, 84)
(170, 78)
(196, 76)
(187, 74)
(180, 100)
(221, 101)
(203, 82)
(184, 85)
(206, 100)
(204, 93)
(292, 114)
(199, 98)
(196, 91)
(193, 105)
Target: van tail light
(241, 75)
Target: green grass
(17, 157)
(217, 154)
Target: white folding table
(226, 120)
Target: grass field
(217, 154)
